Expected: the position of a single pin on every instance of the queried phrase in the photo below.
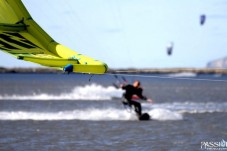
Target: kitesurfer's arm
(141, 96)
(123, 86)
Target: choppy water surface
(69, 112)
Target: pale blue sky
(134, 33)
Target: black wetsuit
(129, 92)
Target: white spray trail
(87, 92)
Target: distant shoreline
(172, 70)
(130, 70)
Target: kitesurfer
(130, 92)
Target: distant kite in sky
(169, 48)
(202, 19)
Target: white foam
(87, 92)
(164, 114)
(89, 114)
(192, 107)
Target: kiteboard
(145, 117)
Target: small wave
(161, 112)
(182, 74)
(191, 107)
(88, 114)
(87, 92)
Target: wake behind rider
(131, 90)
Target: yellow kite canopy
(22, 37)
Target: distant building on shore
(218, 63)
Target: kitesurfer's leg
(137, 106)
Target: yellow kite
(23, 38)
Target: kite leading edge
(23, 38)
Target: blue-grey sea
(60, 112)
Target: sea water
(74, 112)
